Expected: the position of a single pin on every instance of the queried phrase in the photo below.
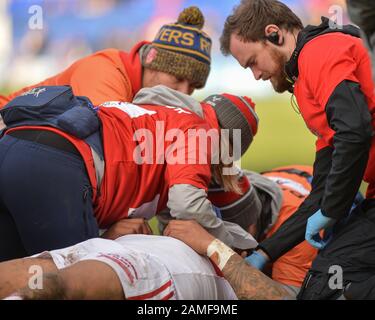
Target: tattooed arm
(250, 283)
(246, 281)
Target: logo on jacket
(35, 92)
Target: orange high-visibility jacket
(107, 75)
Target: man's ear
(270, 28)
(273, 34)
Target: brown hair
(250, 18)
(230, 183)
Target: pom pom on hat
(181, 49)
(191, 16)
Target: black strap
(45, 137)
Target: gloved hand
(257, 260)
(315, 224)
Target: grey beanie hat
(235, 112)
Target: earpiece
(274, 38)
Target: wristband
(219, 253)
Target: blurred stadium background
(74, 28)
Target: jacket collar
(133, 66)
(309, 33)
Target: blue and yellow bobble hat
(182, 49)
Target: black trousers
(45, 195)
(346, 266)
(12, 246)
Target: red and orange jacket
(131, 188)
(345, 59)
(291, 268)
(335, 93)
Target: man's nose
(257, 73)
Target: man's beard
(279, 81)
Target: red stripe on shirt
(168, 296)
(135, 272)
(152, 293)
(121, 264)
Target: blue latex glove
(315, 224)
(257, 260)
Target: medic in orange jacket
(179, 57)
(107, 75)
(291, 268)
